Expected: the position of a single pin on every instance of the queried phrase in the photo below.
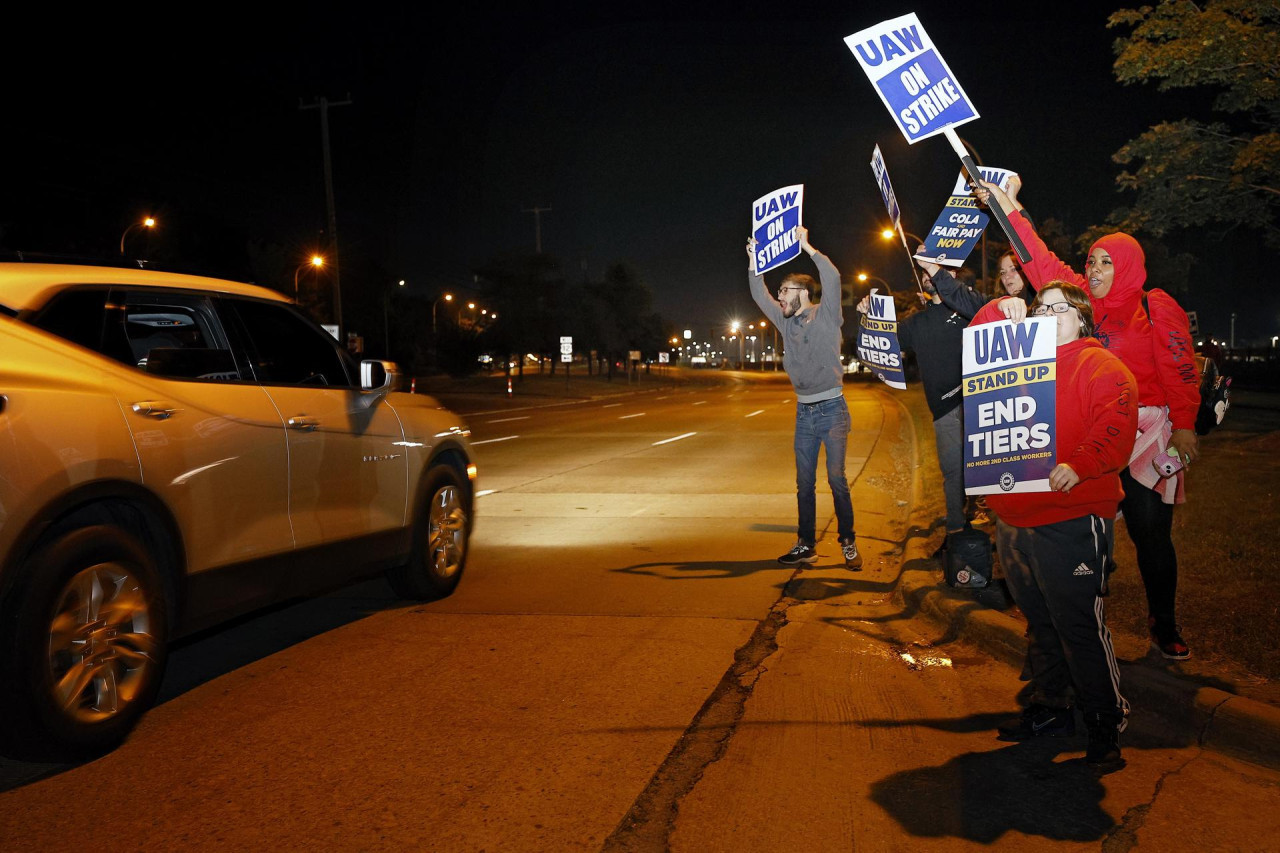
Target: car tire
(441, 535)
(83, 645)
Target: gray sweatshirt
(812, 339)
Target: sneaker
(800, 553)
(852, 559)
(1168, 641)
(1038, 721)
(1103, 752)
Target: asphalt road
(626, 667)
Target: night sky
(648, 134)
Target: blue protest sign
(1010, 407)
(886, 189)
(878, 346)
(960, 225)
(774, 219)
(911, 77)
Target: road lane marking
(484, 492)
(610, 405)
(756, 412)
(504, 420)
(677, 438)
(636, 415)
(701, 403)
(492, 440)
(663, 397)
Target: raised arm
(1044, 265)
(759, 292)
(829, 277)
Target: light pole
(148, 222)
(447, 297)
(316, 261)
(386, 327)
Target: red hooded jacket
(1097, 420)
(1156, 347)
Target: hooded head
(1118, 257)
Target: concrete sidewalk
(1206, 706)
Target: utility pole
(537, 225)
(323, 104)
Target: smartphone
(1168, 463)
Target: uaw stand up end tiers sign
(1010, 406)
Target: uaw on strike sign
(774, 220)
(911, 77)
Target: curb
(1214, 719)
(1224, 722)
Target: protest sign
(774, 219)
(878, 346)
(1010, 408)
(960, 225)
(886, 189)
(911, 77)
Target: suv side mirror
(377, 379)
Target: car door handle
(157, 410)
(304, 423)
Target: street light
(149, 222)
(316, 261)
(447, 297)
(863, 277)
(889, 234)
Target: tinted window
(172, 335)
(76, 315)
(287, 350)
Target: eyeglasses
(782, 290)
(1057, 308)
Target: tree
(1188, 172)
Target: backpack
(968, 561)
(1215, 390)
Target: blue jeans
(817, 424)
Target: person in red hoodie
(1152, 336)
(1054, 546)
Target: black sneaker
(800, 553)
(852, 559)
(1038, 721)
(1103, 752)
(1168, 641)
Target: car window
(167, 334)
(172, 335)
(286, 349)
(76, 316)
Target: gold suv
(177, 450)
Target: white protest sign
(911, 77)
(1009, 376)
(774, 220)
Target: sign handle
(911, 259)
(974, 176)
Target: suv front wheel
(83, 645)
(440, 536)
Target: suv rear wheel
(83, 645)
(440, 538)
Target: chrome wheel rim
(101, 643)
(446, 532)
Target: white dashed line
(610, 405)
(677, 438)
(701, 403)
(492, 440)
(756, 412)
(504, 420)
(636, 415)
(484, 492)
(663, 397)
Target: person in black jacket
(936, 335)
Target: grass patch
(1228, 557)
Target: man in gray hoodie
(811, 334)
